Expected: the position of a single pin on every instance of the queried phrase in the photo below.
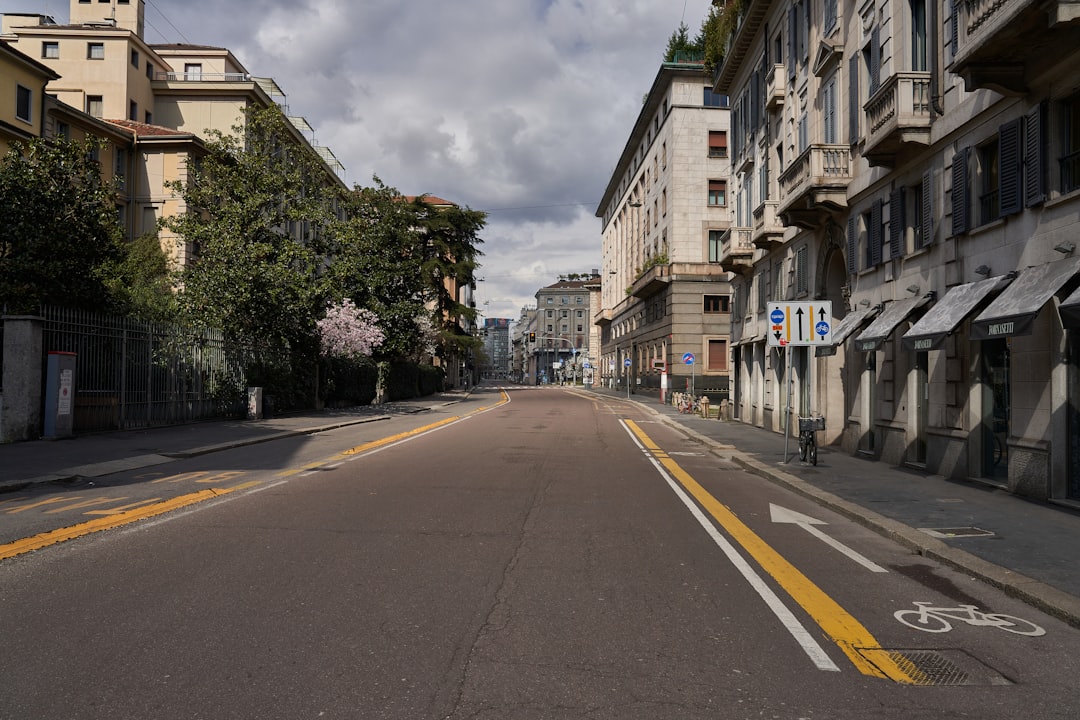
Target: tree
(716, 29)
(142, 284)
(59, 240)
(347, 331)
(680, 47)
(259, 209)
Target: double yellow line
(856, 642)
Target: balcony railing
(815, 183)
(1000, 43)
(897, 114)
(736, 249)
(192, 76)
(775, 87)
(768, 230)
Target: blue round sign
(777, 316)
(822, 328)
(688, 358)
(626, 362)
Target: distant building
(562, 327)
(665, 301)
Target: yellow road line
(53, 537)
(860, 646)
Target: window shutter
(875, 232)
(792, 29)
(954, 22)
(853, 101)
(897, 222)
(960, 192)
(1009, 176)
(852, 244)
(927, 201)
(875, 60)
(1035, 156)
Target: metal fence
(133, 374)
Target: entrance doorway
(996, 403)
(921, 411)
(1072, 416)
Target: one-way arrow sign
(783, 515)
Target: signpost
(798, 324)
(688, 359)
(626, 364)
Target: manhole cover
(945, 668)
(957, 532)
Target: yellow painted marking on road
(395, 438)
(182, 477)
(864, 651)
(84, 504)
(245, 486)
(53, 537)
(39, 503)
(122, 508)
(222, 477)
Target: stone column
(20, 405)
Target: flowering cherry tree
(349, 331)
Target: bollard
(705, 406)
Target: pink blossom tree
(348, 331)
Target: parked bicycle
(936, 619)
(808, 427)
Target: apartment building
(561, 325)
(665, 300)
(166, 96)
(921, 158)
(22, 96)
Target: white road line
(798, 631)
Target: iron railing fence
(133, 374)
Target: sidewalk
(99, 454)
(1032, 548)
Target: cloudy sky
(519, 108)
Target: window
(718, 356)
(23, 103)
(712, 99)
(149, 70)
(830, 16)
(135, 59)
(579, 300)
(95, 106)
(828, 112)
(718, 193)
(717, 144)
(63, 130)
(133, 111)
(714, 304)
(192, 71)
(120, 166)
(95, 51)
(148, 118)
(802, 270)
(959, 191)
(779, 287)
(716, 239)
(988, 175)
(1069, 162)
(918, 34)
(50, 49)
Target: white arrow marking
(783, 515)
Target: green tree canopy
(59, 239)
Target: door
(920, 412)
(1073, 415)
(996, 402)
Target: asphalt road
(547, 554)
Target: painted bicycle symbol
(936, 619)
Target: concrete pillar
(20, 406)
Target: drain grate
(943, 668)
(957, 532)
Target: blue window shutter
(1035, 155)
(960, 192)
(927, 201)
(897, 222)
(875, 232)
(1009, 175)
(875, 61)
(852, 244)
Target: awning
(942, 319)
(1014, 311)
(893, 314)
(1070, 310)
(849, 324)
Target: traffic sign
(688, 358)
(626, 362)
(800, 323)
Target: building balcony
(898, 114)
(651, 281)
(768, 231)
(736, 250)
(775, 87)
(1001, 44)
(814, 186)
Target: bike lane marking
(853, 639)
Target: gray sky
(516, 107)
